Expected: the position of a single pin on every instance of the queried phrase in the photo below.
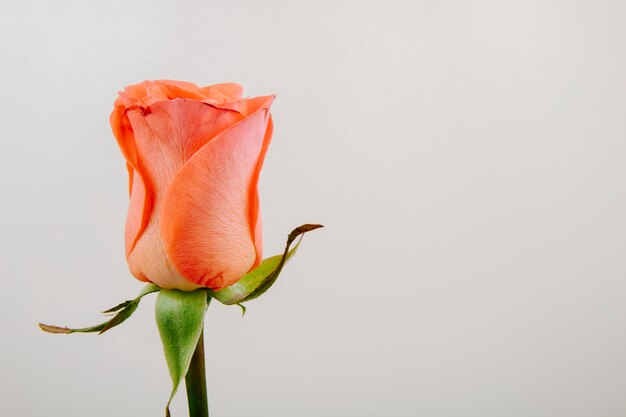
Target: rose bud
(193, 155)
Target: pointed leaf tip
(54, 329)
(67, 330)
(117, 307)
(243, 309)
(301, 230)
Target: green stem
(195, 381)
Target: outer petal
(148, 261)
(256, 225)
(173, 91)
(205, 221)
(224, 91)
(256, 103)
(166, 137)
(171, 132)
(140, 198)
(135, 216)
(145, 94)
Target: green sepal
(125, 310)
(180, 319)
(259, 280)
(147, 289)
(117, 307)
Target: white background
(467, 158)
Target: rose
(193, 156)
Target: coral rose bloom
(193, 156)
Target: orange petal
(149, 261)
(224, 91)
(256, 225)
(130, 171)
(165, 137)
(149, 92)
(135, 215)
(256, 103)
(123, 133)
(173, 91)
(171, 133)
(140, 202)
(205, 222)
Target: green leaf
(259, 280)
(180, 319)
(125, 310)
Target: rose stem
(195, 381)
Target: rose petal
(135, 215)
(224, 91)
(172, 132)
(206, 217)
(256, 225)
(138, 211)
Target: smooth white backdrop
(467, 158)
